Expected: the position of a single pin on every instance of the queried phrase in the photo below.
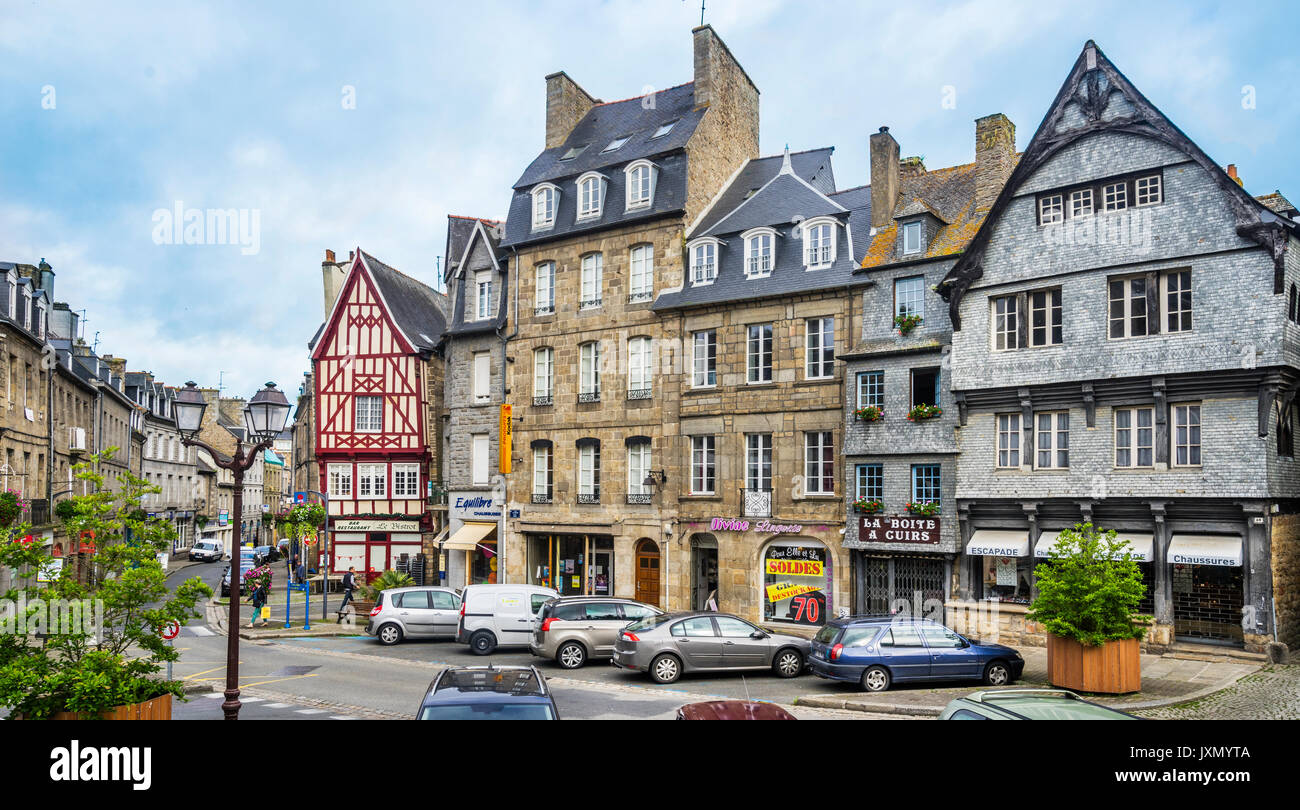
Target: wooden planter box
(160, 708)
(1114, 668)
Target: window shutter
(482, 376)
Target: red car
(733, 710)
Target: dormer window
(591, 195)
(911, 237)
(641, 177)
(663, 130)
(704, 262)
(546, 198)
(819, 244)
(27, 309)
(758, 252)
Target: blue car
(488, 693)
(877, 651)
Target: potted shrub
(871, 413)
(923, 508)
(868, 507)
(906, 323)
(1088, 593)
(381, 583)
(62, 665)
(920, 413)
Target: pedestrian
(299, 571)
(349, 585)
(259, 598)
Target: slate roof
(486, 252)
(419, 310)
(1278, 204)
(780, 201)
(635, 118)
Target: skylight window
(615, 144)
(664, 129)
(574, 152)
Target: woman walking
(259, 598)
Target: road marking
(214, 695)
(199, 630)
(277, 680)
(247, 700)
(311, 711)
(341, 717)
(278, 705)
(204, 672)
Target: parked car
(225, 582)
(206, 551)
(573, 629)
(415, 612)
(668, 645)
(1029, 704)
(488, 693)
(878, 651)
(494, 616)
(264, 555)
(733, 710)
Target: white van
(494, 616)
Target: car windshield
(827, 634)
(488, 711)
(648, 623)
(1055, 707)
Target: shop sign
(475, 507)
(787, 590)
(898, 529)
(795, 580)
(798, 568)
(763, 526)
(346, 525)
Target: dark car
(264, 555)
(488, 693)
(733, 710)
(877, 651)
(225, 582)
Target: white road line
(311, 711)
(277, 705)
(247, 700)
(341, 717)
(214, 695)
(200, 630)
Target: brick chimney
(995, 157)
(566, 103)
(718, 75)
(333, 274)
(884, 178)
(1232, 172)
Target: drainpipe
(505, 501)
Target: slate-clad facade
(1125, 353)
(594, 232)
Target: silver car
(414, 612)
(573, 629)
(667, 646)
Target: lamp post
(264, 418)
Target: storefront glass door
(1207, 603)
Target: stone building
(168, 464)
(25, 423)
(303, 469)
(595, 230)
(1126, 352)
(767, 298)
(899, 457)
(474, 346)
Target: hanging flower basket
(920, 413)
(866, 507)
(871, 413)
(906, 323)
(8, 507)
(927, 509)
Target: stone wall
(727, 136)
(1285, 543)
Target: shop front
(373, 546)
(471, 550)
(572, 564)
(899, 566)
(1206, 575)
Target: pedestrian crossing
(253, 708)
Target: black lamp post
(264, 418)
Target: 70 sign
(808, 608)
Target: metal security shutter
(887, 579)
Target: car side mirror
(758, 634)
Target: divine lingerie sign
(878, 529)
(763, 526)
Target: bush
(386, 580)
(8, 507)
(1090, 588)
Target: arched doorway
(704, 569)
(647, 571)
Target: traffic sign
(300, 497)
(171, 631)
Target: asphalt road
(357, 677)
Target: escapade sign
(875, 529)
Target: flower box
(926, 509)
(906, 323)
(159, 708)
(868, 507)
(871, 413)
(920, 413)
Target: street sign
(300, 497)
(171, 631)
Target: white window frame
(909, 296)
(1128, 299)
(1143, 197)
(758, 462)
(482, 295)
(590, 293)
(1057, 436)
(912, 238)
(543, 482)
(641, 177)
(1051, 209)
(704, 375)
(543, 372)
(760, 252)
(372, 481)
(819, 243)
(1132, 445)
(1009, 440)
(704, 470)
(1180, 420)
(641, 271)
(704, 261)
(1004, 316)
(639, 364)
(591, 196)
(819, 357)
(589, 368)
(818, 448)
(1171, 295)
(544, 304)
(756, 353)
(406, 480)
(546, 202)
(589, 470)
(481, 373)
(1052, 309)
(1082, 202)
(357, 413)
(638, 467)
(1114, 196)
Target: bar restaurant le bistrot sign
(898, 529)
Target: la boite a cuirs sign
(898, 529)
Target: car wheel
(875, 679)
(997, 674)
(571, 656)
(389, 635)
(787, 663)
(665, 668)
(482, 643)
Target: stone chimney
(566, 103)
(995, 157)
(911, 167)
(117, 364)
(233, 409)
(46, 280)
(884, 178)
(332, 275)
(718, 74)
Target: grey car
(574, 629)
(669, 645)
(414, 612)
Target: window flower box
(926, 509)
(865, 507)
(871, 413)
(920, 413)
(906, 323)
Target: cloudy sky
(110, 117)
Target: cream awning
(996, 543)
(1205, 549)
(469, 536)
(1140, 545)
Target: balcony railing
(756, 502)
(541, 401)
(544, 310)
(589, 303)
(640, 393)
(589, 396)
(639, 297)
(541, 497)
(588, 497)
(635, 497)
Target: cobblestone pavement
(1273, 693)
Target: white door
(514, 618)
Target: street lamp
(264, 418)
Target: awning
(1205, 549)
(996, 543)
(468, 537)
(1140, 545)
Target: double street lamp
(264, 418)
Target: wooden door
(647, 572)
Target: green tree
(1090, 588)
(92, 669)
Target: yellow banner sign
(505, 444)
(785, 590)
(795, 568)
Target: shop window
(1008, 579)
(796, 582)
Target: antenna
(95, 347)
(82, 323)
(701, 12)
(221, 383)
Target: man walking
(349, 585)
